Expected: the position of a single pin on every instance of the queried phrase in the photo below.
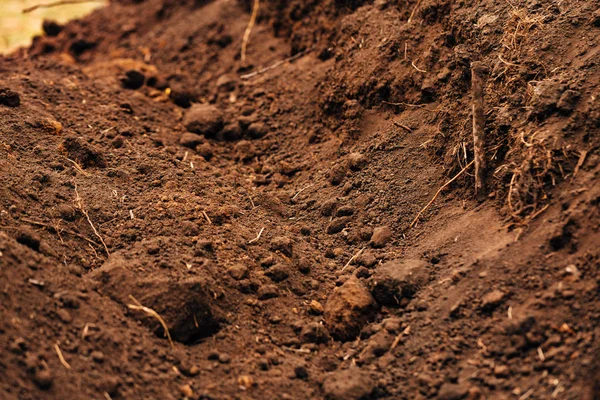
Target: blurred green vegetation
(17, 29)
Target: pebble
(344, 211)
(278, 272)
(315, 308)
(97, 356)
(304, 265)
(266, 292)
(348, 309)
(348, 384)
(450, 391)
(186, 391)
(191, 140)
(357, 161)
(238, 271)
(337, 225)
(381, 236)
(257, 130)
(491, 300)
(9, 98)
(224, 358)
(203, 119)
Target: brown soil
(266, 219)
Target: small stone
(203, 119)
(246, 381)
(450, 391)
(491, 300)
(227, 83)
(238, 271)
(329, 207)
(266, 292)
(546, 95)
(205, 150)
(191, 140)
(357, 161)
(396, 280)
(257, 130)
(337, 174)
(133, 79)
(348, 384)
(224, 358)
(337, 225)
(97, 356)
(278, 272)
(381, 236)
(366, 259)
(315, 308)
(344, 211)
(501, 371)
(9, 98)
(348, 309)
(282, 244)
(186, 391)
(64, 316)
(304, 265)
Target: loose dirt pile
(175, 223)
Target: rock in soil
(381, 236)
(185, 305)
(348, 384)
(348, 309)
(203, 119)
(491, 300)
(396, 280)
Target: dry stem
(439, 191)
(249, 30)
(60, 357)
(138, 306)
(79, 205)
(477, 72)
(275, 65)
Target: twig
(477, 72)
(58, 3)
(580, 162)
(301, 190)
(79, 205)
(207, 218)
(149, 311)
(417, 68)
(412, 14)
(60, 357)
(275, 65)
(402, 126)
(396, 341)
(353, 257)
(439, 191)
(52, 228)
(77, 167)
(404, 104)
(249, 30)
(257, 236)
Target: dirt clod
(398, 281)
(203, 119)
(348, 309)
(381, 236)
(348, 384)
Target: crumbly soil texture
(177, 222)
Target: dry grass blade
(79, 205)
(139, 307)
(61, 357)
(249, 30)
(439, 191)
